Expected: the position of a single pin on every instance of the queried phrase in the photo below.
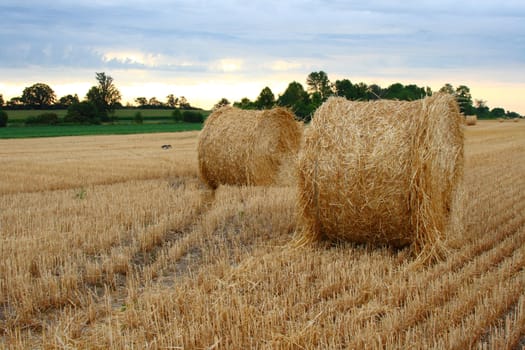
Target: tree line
(319, 87)
(102, 99)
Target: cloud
(210, 40)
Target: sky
(206, 50)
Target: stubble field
(112, 242)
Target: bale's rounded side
(246, 147)
(380, 172)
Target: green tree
(512, 115)
(1, 100)
(183, 103)
(266, 99)
(172, 101)
(394, 92)
(68, 100)
(414, 92)
(15, 102)
(345, 88)
(105, 96)
(245, 103)
(464, 99)
(297, 99)
(375, 92)
(38, 95)
(84, 112)
(318, 82)
(141, 101)
(3, 119)
(482, 110)
(154, 102)
(497, 112)
(448, 88)
(361, 91)
(222, 102)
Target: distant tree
(448, 88)
(361, 91)
(15, 102)
(222, 102)
(153, 102)
(266, 99)
(497, 112)
(512, 115)
(428, 91)
(375, 92)
(318, 82)
(105, 96)
(172, 101)
(413, 92)
(141, 101)
(68, 100)
(1, 100)
(482, 110)
(316, 100)
(245, 103)
(38, 95)
(84, 112)
(3, 119)
(344, 88)
(183, 103)
(394, 91)
(138, 118)
(464, 99)
(297, 99)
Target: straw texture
(246, 147)
(381, 172)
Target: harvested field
(112, 242)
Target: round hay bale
(471, 119)
(501, 120)
(246, 147)
(515, 120)
(381, 172)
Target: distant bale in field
(501, 120)
(381, 172)
(471, 119)
(515, 120)
(246, 147)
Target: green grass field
(78, 130)
(19, 116)
(154, 120)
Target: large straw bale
(381, 172)
(246, 147)
(471, 119)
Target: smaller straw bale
(501, 120)
(515, 120)
(471, 119)
(247, 147)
